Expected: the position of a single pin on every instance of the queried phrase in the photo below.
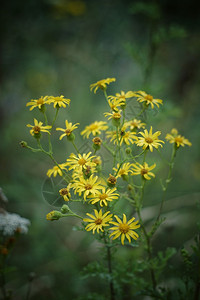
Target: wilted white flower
(10, 223)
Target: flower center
(81, 161)
(36, 129)
(143, 171)
(93, 127)
(97, 141)
(88, 186)
(134, 124)
(149, 97)
(122, 133)
(40, 101)
(148, 140)
(64, 192)
(103, 196)
(68, 132)
(178, 139)
(112, 179)
(116, 116)
(98, 221)
(124, 228)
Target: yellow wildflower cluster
(126, 138)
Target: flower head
(58, 101)
(68, 130)
(80, 161)
(102, 84)
(94, 128)
(53, 215)
(149, 140)
(64, 192)
(38, 102)
(122, 136)
(143, 170)
(176, 138)
(97, 221)
(104, 196)
(147, 99)
(57, 170)
(124, 229)
(135, 124)
(37, 128)
(88, 186)
(123, 170)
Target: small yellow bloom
(80, 161)
(89, 186)
(123, 170)
(37, 128)
(103, 196)
(53, 215)
(94, 128)
(114, 115)
(64, 192)
(68, 130)
(119, 99)
(143, 170)
(102, 84)
(97, 221)
(149, 140)
(59, 101)
(38, 102)
(115, 103)
(124, 229)
(135, 124)
(56, 170)
(176, 138)
(122, 136)
(148, 99)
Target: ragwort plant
(109, 189)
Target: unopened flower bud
(65, 209)
(111, 181)
(53, 215)
(97, 143)
(23, 144)
(71, 137)
(128, 150)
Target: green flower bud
(23, 144)
(71, 137)
(54, 215)
(65, 209)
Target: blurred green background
(54, 47)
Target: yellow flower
(94, 128)
(68, 130)
(148, 99)
(149, 140)
(79, 161)
(114, 115)
(176, 138)
(115, 103)
(122, 171)
(56, 170)
(38, 102)
(59, 101)
(53, 215)
(37, 128)
(103, 196)
(120, 98)
(124, 229)
(64, 192)
(135, 124)
(102, 84)
(88, 186)
(127, 137)
(97, 221)
(143, 170)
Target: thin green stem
(109, 260)
(75, 147)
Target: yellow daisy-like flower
(115, 103)
(123, 171)
(38, 102)
(37, 128)
(143, 170)
(68, 130)
(135, 124)
(126, 137)
(121, 97)
(94, 128)
(176, 138)
(103, 196)
(114, 115)
(65, 193)
(97, 221)
(149, 140)
(124, 229)
(89, 186)
(59, 101)
(102, 84)
(56, 170)
(79, 161)
(148, 99)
